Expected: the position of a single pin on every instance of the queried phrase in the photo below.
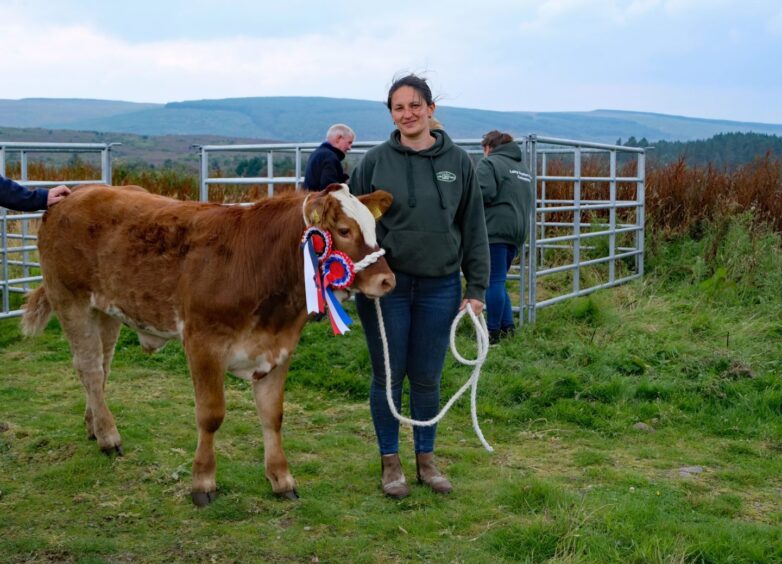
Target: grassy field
(641, 424)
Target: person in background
(434, 226)
(324, 166)
(16, 197)
(507, 198)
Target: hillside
(132, 149)
(60, 113)
(293, 119)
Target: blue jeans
(498, 307)
(418, 316)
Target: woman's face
(410, 112)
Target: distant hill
(62, 113)
(292, 119)
(153, 150)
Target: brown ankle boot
(392, 478)
(428, 473)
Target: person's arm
(487, 181)
(16, 197)
(475, 241)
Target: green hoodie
(507, 194)
(435, 224)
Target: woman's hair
(416, 83)
(495, 138)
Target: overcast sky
(702, 58)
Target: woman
(434, 227)
(507, 200)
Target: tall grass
(680, 198)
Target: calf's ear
(378, 202)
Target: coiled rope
(482, 342)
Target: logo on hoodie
(446, 176)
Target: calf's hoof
(202, 499)
(290, 494)
(110, 450)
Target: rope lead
(482, 341)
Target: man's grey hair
(339, 129)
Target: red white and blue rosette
(338, 274)
(319, 240)
(338, 271)
(316, 246)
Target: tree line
(724, 150)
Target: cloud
(81, 61)
(543, 55)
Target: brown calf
(226, 281)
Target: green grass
(571, 478)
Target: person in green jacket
(508, 201)
(434, 227)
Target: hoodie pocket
(422, 253)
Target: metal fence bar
(640, 214)
(6, 275)
(577, 219)
(18, 275)
(532, 255)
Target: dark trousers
(498, 306)
(418, 316)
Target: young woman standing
(508, 199)
(434, 227)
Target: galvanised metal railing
(17, 234)
(550, 240)
(567, 243)
(562, 242)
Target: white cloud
(82, 61)
(544, 55)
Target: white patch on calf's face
(354, 209)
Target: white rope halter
(365, 262)
(482, 341)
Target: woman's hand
(476, 305)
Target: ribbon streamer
(326, 270)
(338, 274)
(316, 247)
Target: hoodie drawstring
(411, 201)
(437, 183)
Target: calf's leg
(83, 327)
(269, 393)
(109, 333)
(208, 375)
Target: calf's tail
(37, 311)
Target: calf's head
(351, 222)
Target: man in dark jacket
(16, 197)
(324, 166)
(508, 201)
